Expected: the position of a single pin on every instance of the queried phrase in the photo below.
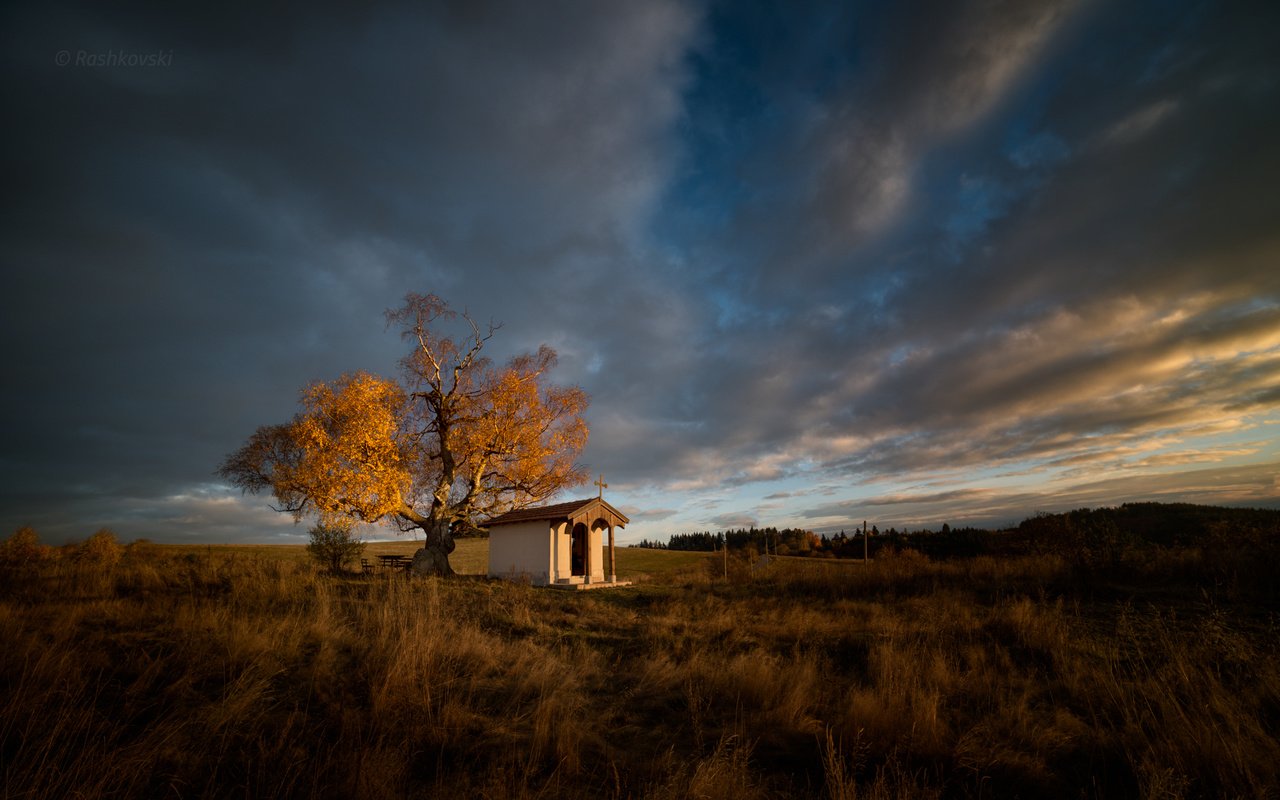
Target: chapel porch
(577, 583)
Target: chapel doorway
(578, 550)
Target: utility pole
(864, 541)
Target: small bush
(22, 548)
(141, 548)
(102, 548)
(333, 544)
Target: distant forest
(1096, 536)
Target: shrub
(141, 548)
(23, 547)
(334, 543)
(101, 548)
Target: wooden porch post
(613, 563)
(586, 557)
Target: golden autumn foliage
(517, 437)
(454, 442)
(350, 442)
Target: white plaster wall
(522, 549)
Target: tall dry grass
(196, 675)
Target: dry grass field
(471, 557)
(245, 672)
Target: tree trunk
(433, 558)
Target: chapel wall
(521, 550)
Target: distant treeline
(1094, 536)
(760, 538)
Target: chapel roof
(560, 511)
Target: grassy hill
(470, 558)
(232, 671)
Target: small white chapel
(559, 545)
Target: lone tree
(455, 442)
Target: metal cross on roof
(602, 485)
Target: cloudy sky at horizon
(814, 263)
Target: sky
(815, 263)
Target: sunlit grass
(636, 563)
(470, 558)
(248, 672)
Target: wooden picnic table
(395, 562)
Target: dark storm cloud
(840, 173)
(849, 242)
(186, 245)
(1049, 246)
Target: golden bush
(23, 547)
(102, 548)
